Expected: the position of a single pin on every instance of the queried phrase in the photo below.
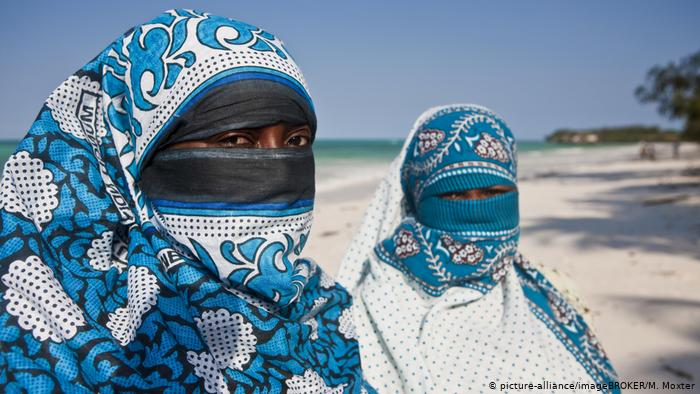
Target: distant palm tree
(676, 89)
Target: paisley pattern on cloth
(96, 297)
(444, 302)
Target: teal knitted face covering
(459, 267)
(445, 242)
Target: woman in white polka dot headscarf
(153, 221)
(443, 301)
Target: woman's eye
(474, 194)
(236, 141)
(298, 140)
(488, 193)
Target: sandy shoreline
(625, 232)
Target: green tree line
(674, 88)
(613, 134)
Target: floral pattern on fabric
(229, 337)
(39, 303)
(435, 266)
(28, 188)
(311, 383)
(548, 304)
(429, 140)
(95, 297)
(462, 253)
(435, 285)
(406, 244)
(490, 148)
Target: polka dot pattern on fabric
(39, 302)
(64, 102)
(183, 227)
(100, 252)
(326, 281)
(465, 338)
(347, 325)
(98, 295)
(456, 343)
(313, 324)
(214, 62)
(205, 367)
(143, 292)
(256, 302)
(28, 188)
(310, 383)
(229, 337)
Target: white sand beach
(621, 233)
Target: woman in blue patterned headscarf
(443, 300)
(140, 252)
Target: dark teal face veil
(481, 156)
(458, 259)
(467, 242)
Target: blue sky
(374, 66)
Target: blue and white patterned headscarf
(443, 300)
(103, 290)
(452, 151)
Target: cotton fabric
(253, 103)
(104, 288)
(444, 303)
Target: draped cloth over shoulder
(443, 300)
(125, 267)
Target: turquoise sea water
(6, 149)
(385, 150)
(331, 150)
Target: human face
(478, 194)
(279, 135)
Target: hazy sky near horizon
(374, 66)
